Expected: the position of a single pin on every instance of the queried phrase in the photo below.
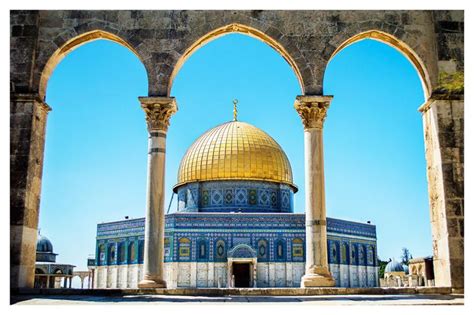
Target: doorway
(241, 273)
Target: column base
(317, 280)
(151, 284)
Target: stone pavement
(452, 299)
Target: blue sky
(96, 142)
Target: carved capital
(312, 109)
(158, 111)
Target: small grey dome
(394, 266)
(44, 245)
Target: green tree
(406, 256)
(382, 265)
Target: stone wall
(208, 275)
(348, 276)
(443, 122)
(164, 39)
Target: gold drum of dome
(235, 151)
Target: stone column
(254, 264)
(312, 110)
(443, 124)
(28, 115)
(158, 111)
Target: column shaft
(28, 115)
(316, 238)
(154, 225)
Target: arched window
(362, 255)
(353, 255)
(333, 252)
(167, 247)
(344, 253)
(184, 248)
(220, 250)
(101, 255)
(132, 256)
(202, 250)
(121, 253)
(141, 251)
(112, 255)
(297, 249)
(370, 255)
(280, 250)
(262, 252)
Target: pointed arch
(72, 44)
(399, 45)
(242, 29)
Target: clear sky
(96, 142)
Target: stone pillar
(443, 124)
(158, 111)
(254, 264)
(28, 114)
(312, 110)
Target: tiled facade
(235, 196)
(197, 244)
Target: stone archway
(241, 29)
(242, 267)
(399, 45)
(29, 192)
(72, 44)
(441, 113)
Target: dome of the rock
(235, 150)
(235, 165)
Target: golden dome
(235, 151)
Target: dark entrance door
(241, 275)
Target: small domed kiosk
(49, 273)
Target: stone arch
(39, 271)
(242, 251)
(399, 45)
(241, 29)
(72, 44)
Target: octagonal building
(235, 224)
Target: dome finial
(235, 109)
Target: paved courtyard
(418, 299)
